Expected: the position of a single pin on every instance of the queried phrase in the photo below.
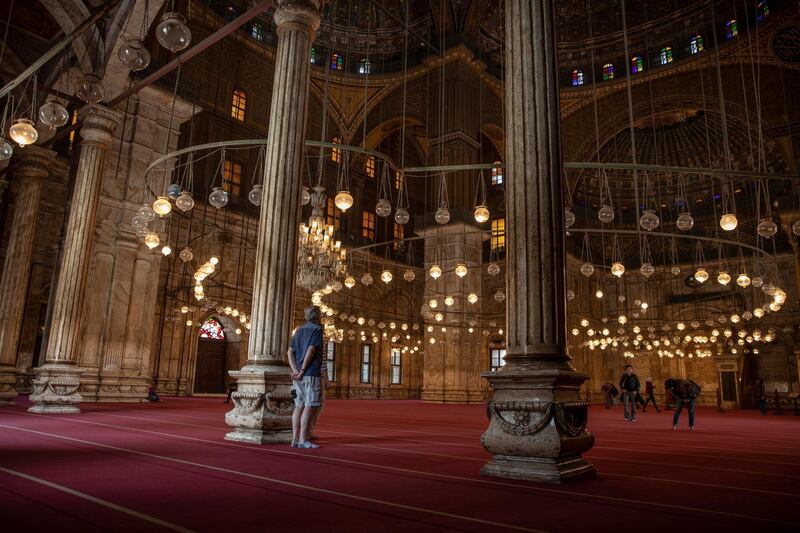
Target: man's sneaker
(294, 444)
(307, 445)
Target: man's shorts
(309, 391)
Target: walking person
(305, 358)
(760, 394)
(650, 390)
(685, 392)
(629, 383)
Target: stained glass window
(238, 104)
(497, 174)
(762, 10)
(257, 31)
(608, 72)
(637, 64)
(731, 29)
(212, 329)
(337, 62)
(665, 56)
(313, 57)
(364, 66)
(577, 77)
(696, 46)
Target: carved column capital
(301, 15)
(32, 162)
(99, 123)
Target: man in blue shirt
(305, 358)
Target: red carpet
(385, 466)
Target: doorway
(213, 353)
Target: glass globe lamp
(570, 295)
(723, 278)
(134, 55)
(186, 255)
(53, 114)
(255, 195)
(409, 275)
(757, 282)
(435, 271)
(649, 220)
(481, 214)
(472, 298)
(433, 304)
(461, 270)
(647, 270)
(173, 33)
(147, 213)
(152, 240)
(349, 282)
(6, 150)
(90, 89)
(305, 196)
(401, 216)
(758, 312)
(618, 269)
(386, 276)
(499, 296)
(743, 280)
(161, 206)
(587, 269)
(442, 216)
(449, 301)
(728, 222)
(166, 250)
(214, 260)
(174, 190)
(598, 293)
(218, 198)
(606, 214)
(383, 208)
(366, 279)
(23, 132)
(796, 227)
(685, 222)
(675, 270)
(138, 222)
(701, 275)
(569, 217)
(767, 228)
(493, 269)
(184, 202)
(343, 200)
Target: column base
(537, 425)
(55, 389)
(263, 406)
(8, 385)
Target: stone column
(55, 388)
(31, 168)
(537, 426)
(263, 406)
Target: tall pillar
(31, 168)
(55, 388)
(263, 405)
(537, 427)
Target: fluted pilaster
(266, 375)
(31, 168)
(55, 388)
(537, 427)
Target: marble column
(31, 168)
(55, 388)
(263, 405)
(537, 420)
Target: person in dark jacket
(650, 390)
(685, 392)
(629, 383)
(760, 393)
(609, 392)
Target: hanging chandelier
(321, 258)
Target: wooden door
(209, 374)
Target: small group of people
(683, 391)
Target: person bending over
(629, 383)
(305, 358)
(650, 390)
(685, 392)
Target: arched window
(232, 172)
(257, 31)
(731, 29)
(364, 66)
(337, 62)
(637, 64)
(577, 77)
(497, 174)
(665, 56)
(696, 45)
(498, 235)
(238, 104)
(608, 72)
(313, 55)
(762, 10)
(212, 329)
(369, 167)
(336, 153)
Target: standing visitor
(650, 390)
(760, 393)
(629, 383)
(685, 392)
(305, 358)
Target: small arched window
(257, 31)
(336, 153)
(364, 66)
(696, 45)
(369, 167)
(577, 77)
(497, 173)
(238, 104)
(731, 29)
(762, 10)
(337, 62)
(637, 64)
(313, 55)
(212, 329)
(665, 56)
(608, 72)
